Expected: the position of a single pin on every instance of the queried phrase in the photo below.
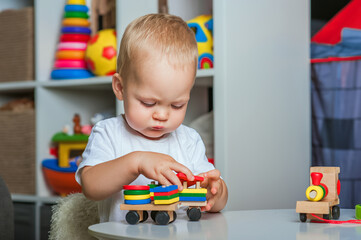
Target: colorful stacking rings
(74, 38)
(70, 64)
(80, 22)
(136, 194)
(70, 74)
(76, 15)
(70, 54)
(81, 30)
(76, 2)
(76, 8)
(72, 46)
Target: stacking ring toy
(358, 212)
(76, 2)
(76, 15)
(136, 187)
(72, 37)
(72, 46)
(137, 202)
(76, 8)
(80, 22)
(70, 54)
(70, 64)
(136, 197)
(136, 192)
(81, 30)
(70, 74)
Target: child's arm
(102, 180)
(217, 194)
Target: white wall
(262, 101)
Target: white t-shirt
(113, 138)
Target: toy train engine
(322, 195)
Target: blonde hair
(167, 33)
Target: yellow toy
(101, 53)
(203, 27)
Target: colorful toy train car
(163, 201)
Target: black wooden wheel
(194, 214)
(162, 218)
(303, 217)
(132, 217)
(336, 212)
(152, 215)
(145, 216)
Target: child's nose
(160, 115)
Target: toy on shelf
(164, 201)
(322, 195)
(75, 33)
(203, 30)
(101, 53)
(60, 172)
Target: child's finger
(181, 168)
(210, 203)
(214, 174)
(163, 180)
(174, 179)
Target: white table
(255, 224)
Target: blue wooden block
(165, 188)
(192, 199)
(137, 202)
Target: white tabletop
(254, 224)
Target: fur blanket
(72, 216)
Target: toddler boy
(157, 65)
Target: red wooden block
(183, 178)
(166, 193)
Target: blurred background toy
(70, 56)
(203, 30)
(60, 171)
(101, 53)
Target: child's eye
(148, 104)
(177, 106)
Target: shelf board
(17, 86)
(86, 83)
(33, 198)
(204, 77)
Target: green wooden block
(192, 194)
(166, 197)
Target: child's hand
(160, 167)
(214, 185)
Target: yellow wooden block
(168, 201)
(152, 194)
(64, 151)
(136, 197)
(194, 190)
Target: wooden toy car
(322, 195)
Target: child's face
(156, 96)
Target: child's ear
(117, 85)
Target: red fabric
(348, 17)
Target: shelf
(86, 83)
(33, 198)
(204, 78)
(17, 86)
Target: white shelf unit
(260, 86)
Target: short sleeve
(197, 153)
(98, 150)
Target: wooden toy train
(163, 201)
(322, 195)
